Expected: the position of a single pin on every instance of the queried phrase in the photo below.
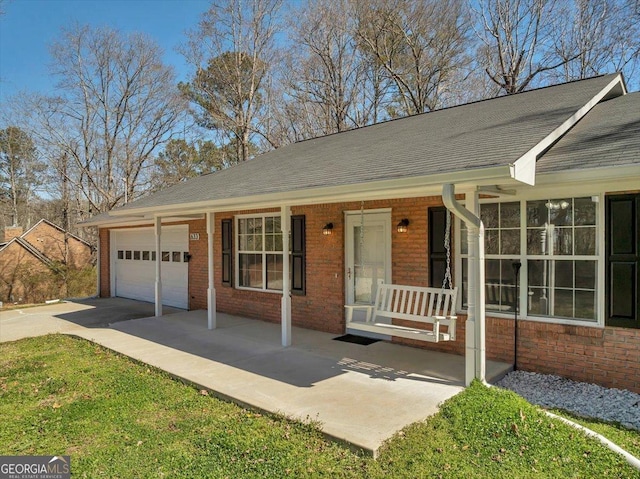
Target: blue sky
(29, 26)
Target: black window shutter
(623, 260)
(437, 251)
(298, 251)
(227, 252)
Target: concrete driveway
(361, 395)
(70, 316)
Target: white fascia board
(6, 245)
(619, 178)
(524, 168)
(139, 221)
(34, 227)
(403, 188)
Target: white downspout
(475, 357)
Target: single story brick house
(27, 258)
(548, 179)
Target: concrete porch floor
(361, 395)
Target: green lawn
(117, 418)
(627, 439)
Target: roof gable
(28, 247)
(609, 136)
(46, 222)
(476, 137)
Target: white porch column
(475, 365)
(211, 291)
(158, 230)
(285, 309)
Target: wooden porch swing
(430, 306)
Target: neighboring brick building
(29, 261)
(552, 177)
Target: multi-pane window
(555, 240)
(562, 258)
(502, 249)
(260, 253)
(175, 256)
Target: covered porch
(361, 395)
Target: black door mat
(352, 338)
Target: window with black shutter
(437, 251)
(623, 260)
(227, 252)
(298, 247)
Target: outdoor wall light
(561, 205)
(328, 229)
(403, 225)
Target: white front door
(368, 255)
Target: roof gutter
(475, 354)
(396, 188)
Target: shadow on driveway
(102, 312)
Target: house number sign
(194, 236)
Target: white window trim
(237, 252)
(599, 258)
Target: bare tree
(232, 51)
(597, 36)
(517, 38)
(117, 105)
(21, 174)
(326, 70)
(420, 45)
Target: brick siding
(49, 240)
(609, 356)
(105, 263)
(25, 277)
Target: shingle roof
(608, 136)
(474, 136)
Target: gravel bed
(582, 399)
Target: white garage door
(135, 269)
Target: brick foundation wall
(607, 356)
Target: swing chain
(362, 237)
(447, 247)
